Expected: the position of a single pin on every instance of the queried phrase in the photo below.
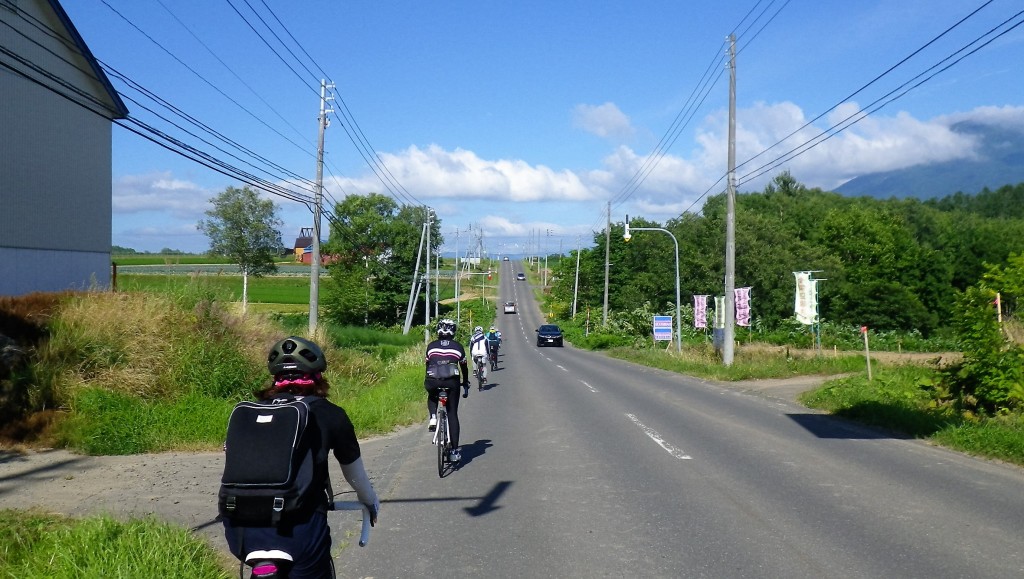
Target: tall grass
(43, 546)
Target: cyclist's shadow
(473, 450)
(487, 386)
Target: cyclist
(493, 337)
(302, 547)
(446, 364)
(479, 351)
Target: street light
(626, 236)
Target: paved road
(581, 466)
(576, 465)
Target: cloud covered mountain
(998, 161)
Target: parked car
(521, 276)
(549, 335)
(510, 307)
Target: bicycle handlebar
(364, 535)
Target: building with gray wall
(56, 117)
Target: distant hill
(1001, 163)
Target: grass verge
(40, 545)
(747, 365)
(898, 399)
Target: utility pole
(458, 296)
(607, 256)
(410, 309)
(576, 286)
(426, 296)
(314, 268)
(730, 219)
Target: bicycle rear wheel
(442, 442)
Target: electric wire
(237, 77)
(199, 76)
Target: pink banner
(742, 295)
(700, 311)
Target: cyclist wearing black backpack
(446, 368)
(295, 541)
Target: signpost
(662, 328)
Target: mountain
(1000, 162)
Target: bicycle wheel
(480, 377)
(442, 441)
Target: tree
(374, 243)
(244, 228)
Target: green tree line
(892, 264)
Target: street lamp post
(627, 237)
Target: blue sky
(525, 119)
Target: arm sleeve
(356, 476)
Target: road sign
(662, 328)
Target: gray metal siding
(55, 167)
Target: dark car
(521, 276)
(549, 335)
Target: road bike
(478, 371)
(272, 563)
(442, 435)
(494, 358)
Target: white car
(510, 307)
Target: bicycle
(478, 371)
(494, 358)
(442, 436)
(271, 562)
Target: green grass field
(262, 290)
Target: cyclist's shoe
(432, 425)
(455, 455)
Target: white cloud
(773, 138)
(605, 121)
(160, 192)
(435, 173)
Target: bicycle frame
(442, 409)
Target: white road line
(659, 440)
(561, 366)
(592, 389)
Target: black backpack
(270, 471)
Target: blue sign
(662, 328)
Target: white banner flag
(719, 311)
(806, 305)
(700, 311)
(742, 296)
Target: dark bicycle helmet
(296, 355)
(446, 328)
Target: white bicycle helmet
(478, 330)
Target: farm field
(269, 290)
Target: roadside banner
(806, 304)
(662, 328)
(742, 306)
(719, 311)
(700, 311)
